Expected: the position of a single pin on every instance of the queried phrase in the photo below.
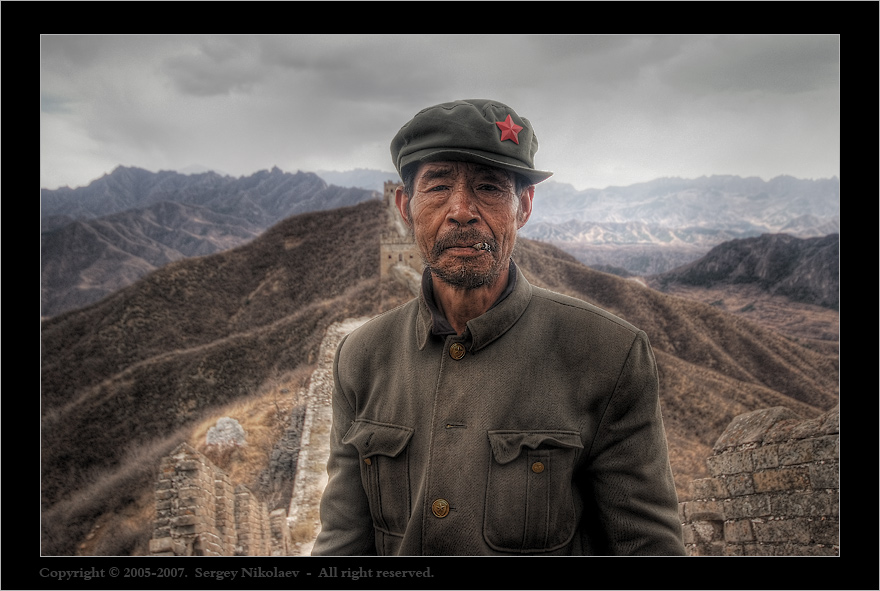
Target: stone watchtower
(396, 245)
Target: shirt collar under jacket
(481, 330)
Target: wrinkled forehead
(452, 169)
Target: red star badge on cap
(509, 129)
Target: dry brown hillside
(713, 365)
(127, 378)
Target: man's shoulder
(391, 322)
(572, 309)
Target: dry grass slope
(187, 340)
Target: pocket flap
(371, 438)
(508, 445)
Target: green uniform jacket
(537, 431)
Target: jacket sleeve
(346, 524)
(628, 479)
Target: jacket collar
(486, 328)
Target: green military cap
(475, 130)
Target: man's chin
(464, 277)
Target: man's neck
(460, 305)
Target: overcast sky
(607, 110)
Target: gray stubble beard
(462, 276)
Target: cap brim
(471, 155)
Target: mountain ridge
(615, 236)
(671, 221)
(98, 238)
(805, 270)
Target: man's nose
(462, 207)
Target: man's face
(456, 205)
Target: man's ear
(401, 199)
(525, 205)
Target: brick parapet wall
(199, 513)
(773, 489)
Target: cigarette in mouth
(482, 246)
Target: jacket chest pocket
(384, 471)
(529, 502)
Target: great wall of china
(773, 489)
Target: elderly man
(489, 416)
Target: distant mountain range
(652, 227)
(672, 210)
(99, 238)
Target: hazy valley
(99, 238)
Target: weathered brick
(816, 550)
(160, 545)
(831, 421)
(765, 457)
(188, 465)
(182, 520)
(737, 531)
(705, 510)
(795, 452)
(791, 478)
(777, 549)
(708, 488)
(191, 510)
(825, 475)
(747, 506)
(801, 504)
(734, 550)
(781, 431)
(187, 493)
(752, 427)
(795, 530)
(730, 463)
(708, 531)
(826, 448)
(825, 531)
(709, 549)
(740, 484)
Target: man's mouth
(462, 248)
(462, 243)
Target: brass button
(537, 467)
(456, 351)
(440, 508)
(368, 461)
